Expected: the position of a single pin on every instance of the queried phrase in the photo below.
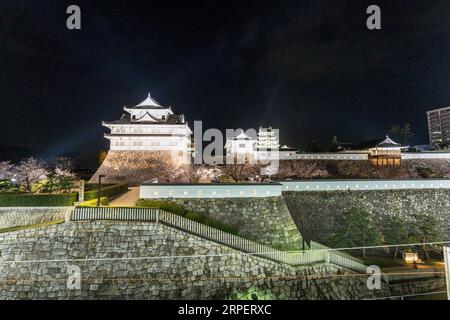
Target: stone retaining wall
(266, 220)
(214, 272)
(224, 274)
(319, 209)
(22, 216)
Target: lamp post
(302, 226)
(447, 269)
(99, 188)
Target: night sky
(310, 68)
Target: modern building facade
(439, 127)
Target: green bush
(37, 200)
(219, 225)
(165, 205)
(93, 186)
(104, 201)
(174, 208)
(191, 215)
(147, 203)
(194, 216)
(110, 191)
(7, 186)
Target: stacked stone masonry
(266, 220)
(319, 209)
(224, 274)
(213, 272)
(22, 216)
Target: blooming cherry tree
(29, 172)
(6, 170)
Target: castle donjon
(145, 138)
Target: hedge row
(179, 210)
(104, 201)
(107, 191)
(37, 200)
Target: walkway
(127, 199)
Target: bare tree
(29, 172)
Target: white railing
(413, 274)
(425, 155)
(363, 184)
(323, 255)
(209, 190)
(317, 246)
(332, 156)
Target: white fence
(331, 156)
(235, 190)
(426, 155)
(258, 190)
(332, 185)
(412, 274)
(323, 255)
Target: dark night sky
(310, 68)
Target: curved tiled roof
(126, 119)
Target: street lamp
(99, 188)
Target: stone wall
(266, 220)
(417, 287)
(112, 271)
(224, 274)
(318, 209)
(22, 216)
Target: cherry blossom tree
(199, 172)
(29, 172)
(6, 170)
(270, 169)
(241, 168)
(301, 169)
(167, 171)
(6, 174)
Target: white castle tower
(149, 141)
(268, 139)
(148, 126)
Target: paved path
(127, 199)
